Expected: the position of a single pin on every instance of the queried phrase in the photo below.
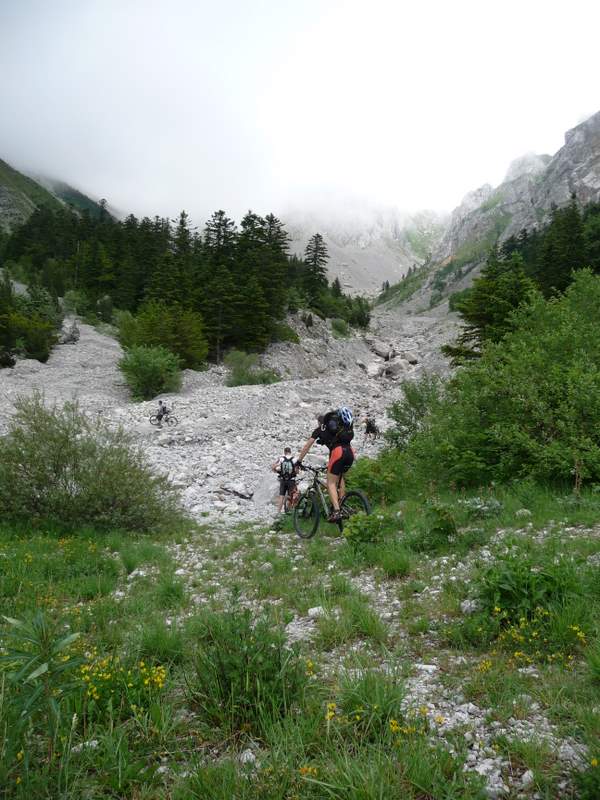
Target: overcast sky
(272, 104)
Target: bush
(421, 398)
(56, 463)
(171, 326)
(150, 371)
(244, 370)
(520, 584)
(76, 302)
(536, 605)
(244, 676)
(362, 529)
(284, 333)
(435, 529)
(340, 328)
(530, 407)
(104, 308)
(31, 336)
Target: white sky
(272, 104)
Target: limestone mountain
(368, 246)
(532, 186)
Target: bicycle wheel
(306, 516)
(171, 421)
(153, 420)
(354, 502)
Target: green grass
(119, 591)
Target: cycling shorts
(341, 459)
(286, 486)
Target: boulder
(410, 356)
(382, 349)
(396, 369)
(375, 369)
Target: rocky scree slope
(227, 438)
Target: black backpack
(287, 468)
(338, 431)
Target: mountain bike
(291, 498)
(314, 502)
(168, 419)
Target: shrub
(362, 529)
(307, 319)
(39, 667)
(31, 336)
(536, 605)
(118, 689)
(284, 333)
(76, 302)
(56, 463)
(171, 326)
(340, 328)
(530, 407)
(421, 399)
(435, 529)
(150, 371)
(244, 370)
(244, 676)
(383, 479)
(104, 308)
(521, 583)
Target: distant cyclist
(335, 431)
(286, 468)
(371, 428)
(162, 412)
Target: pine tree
(562, 249)
(486, 308)
(315, 257)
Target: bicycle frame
(318, 485)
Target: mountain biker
(335, 431)
(371, 428)
(162, 412)
(286, 468)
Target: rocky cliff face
(532, 185)
(368, 246)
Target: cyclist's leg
(341, 488)
(281, 498)
(333, 476)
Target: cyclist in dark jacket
(335, 431)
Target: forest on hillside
(536, 261)
(234, 284)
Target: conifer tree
(315, 258)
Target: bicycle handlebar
(316, 470)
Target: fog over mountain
(270, 105)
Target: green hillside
(19, 196)
(73, 197)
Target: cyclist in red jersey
(335, 432)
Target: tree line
(232, 283)
(535, 261)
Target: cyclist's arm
(305, 449)
(275, 466)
